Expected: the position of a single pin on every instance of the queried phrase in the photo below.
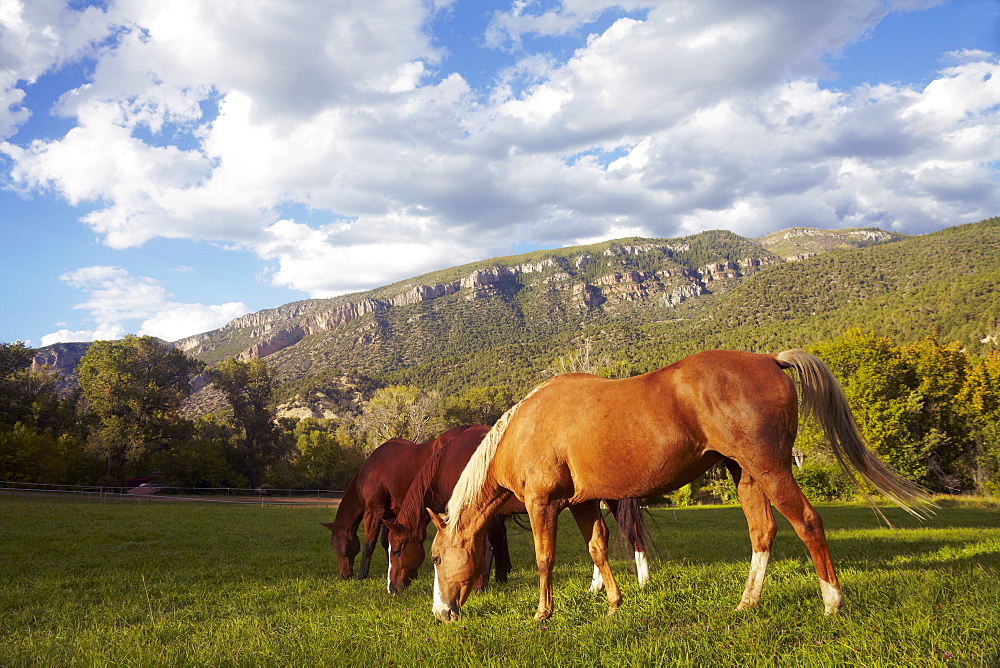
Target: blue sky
(166, 167)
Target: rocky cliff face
(271, 331)
(62, 358)
(799, 243)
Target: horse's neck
(351, 508)
(411, 512)
(475, 516)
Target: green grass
(90, 583)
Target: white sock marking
(755, 580)
(832, 597)
(642, 568)
(388, 575)
(597, 581)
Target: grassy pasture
(91, 583)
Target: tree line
(125, 420)
(930, 409)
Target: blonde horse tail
(823, 398)
(473, 477)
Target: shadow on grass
(857, 537)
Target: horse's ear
(328, 525)
(394, 527)
(437, 519)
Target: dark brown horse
(432, 488)
(375, 492)
(578, 438)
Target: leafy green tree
(327, 456)
(134, 389)
(479, 405)
(879, 387)
(15, 397)
(198, 463)
(41, 439)
(248, 388)
(31, 455)
(940, 427)
(401, 411)
(928, 408)
(979, 400)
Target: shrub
(824, 481)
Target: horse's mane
(470, 483)
(412, 508)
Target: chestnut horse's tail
(823, 398)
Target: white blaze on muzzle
(388, 575)
(439, 605)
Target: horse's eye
(396, 553)
(436, 560)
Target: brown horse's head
(458, 563)
(346, 545)
(406, 554)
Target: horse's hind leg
(595, 531)
(597, 580)
(784, 492)
(760, 522)
(628, 517)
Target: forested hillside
(505, 321)
(638, 304)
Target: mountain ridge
(641, 302)
(479, 279)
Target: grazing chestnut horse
(432, 488)
(578, 438)
(375, 492)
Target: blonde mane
(470, 483)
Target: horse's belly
(642, 472)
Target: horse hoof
(542, 615)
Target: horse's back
(390, 468)
(586, 436)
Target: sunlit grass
(88, 583)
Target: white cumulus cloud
(202, 119)
(119, 303)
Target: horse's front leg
(595, 532)
(544, 516)
(484, 577)
(373, 525)
(501, 550)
